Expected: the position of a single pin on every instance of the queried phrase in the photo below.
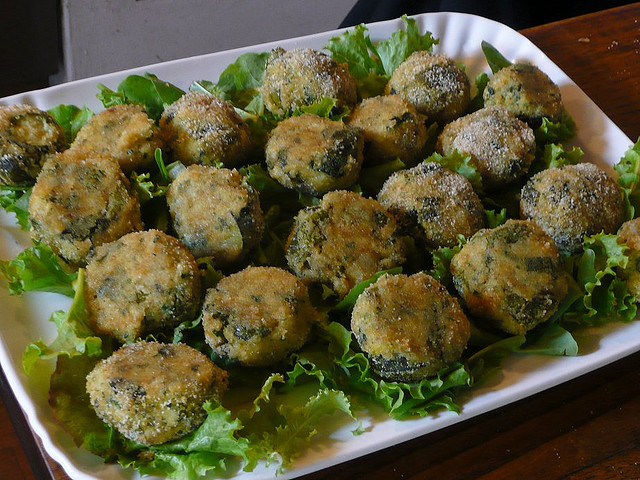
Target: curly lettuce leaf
(402, 43)
(16, 200)
(203, 452)
(442, 256)
(555, 155)
(290, 409)
(75, 337)
(146, 90)
(461, 164)
(400, 400)
(296, 425)
(206, 450)
(628, 169)
(146, 188)
(38, 269)
(372, 64)
(71, 119)
(555, 132)
(325, 107)
(605, 297)
(551, 155)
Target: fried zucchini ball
(572, 202)
(122, 132)
(629, 234)
(410, 327)
(432, 83)
(313, 154)
(200, 128)
(215, 212)
(511, 277)
(258, 316)
(145, 282)
(303, 76)
(434, 203)
(152, 392)
(343, 241)
(526, 91)
(27, 136)
(79, 203)
(392, 128)
(501, 146)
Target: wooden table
(585, 429)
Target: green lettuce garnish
(372, 64)
(373, 177)
(71, 119)
(16, 200)
(400, 400)
(605, 297)
(75, 337)
(146, 90)
(477, 102)
(628, 169)
(38, 269)
(290, 426)
(550, 339)
(349, 300)
(555, 132)
(202, 452)
(442, 257)
(146, 188)
(239, 82)
(461, 164)
(495, 218)
(494, 58)
(555, 155)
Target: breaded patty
(145, 282)
(313, 154)
(79, 203)
(392, 128)
(200, 128)
(122, 132)
(436, 204)
(571, 202)
(501, 146)
(510, 277)
(215, 212)
(410, 327)
(526, 91)
(152, 392)
(344, 240)
(303, 76)
(629, 234)
(432, 83)
(27, 136)
(258, 316)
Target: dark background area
(30, 34)
(516, 14)
(29, 44)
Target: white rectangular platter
(25, 319)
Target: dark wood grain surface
(588, 428)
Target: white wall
(101, 36)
